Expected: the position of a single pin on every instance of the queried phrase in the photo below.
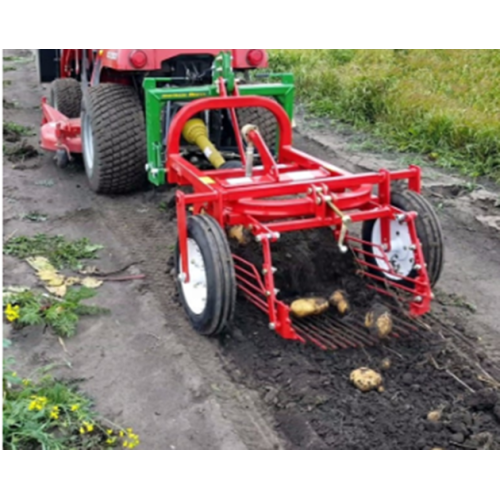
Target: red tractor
(97, 106)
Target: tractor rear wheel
(114, 139)
(66, 97)
(209, 298)
(263, 119)
(429, 232)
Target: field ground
(145, 367)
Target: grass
(60, 252)
(8, 68)
(47, 414)
(441, 103)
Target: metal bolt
(418, 268)
(419, 299)
(268, 293)
(401, 218)
(182, 277)
(433, 296)
(277, 291)
(276, 236)
(259, 238)
(272, 326)
(274, 270)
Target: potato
(339, 300)
(240, 234)
(367, 380)
(380, 322)
(434, 416)
(386, 364)
(309, 307)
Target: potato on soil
(379, 321)
(435, 416)
(386, 364)
(309, 307)
(367, 380)
(339, 300)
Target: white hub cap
(400, 256)
(196, 291)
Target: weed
(8, 68)
(28, 308)
(7, 83)
(9, 104)
(13, 132)
(36, 217)
(60, 252)
(20, 152)
(47, 414)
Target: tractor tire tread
(120, 138)
(67, 92)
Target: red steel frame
(233, 199)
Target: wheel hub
(196, 291)
(88, 144)
(401, 256)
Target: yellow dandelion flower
(90, 427)
(125, 444)
(32, 406)
(122, 434)
(54, 415)
(109, 432)
(75, 408)
(82, 430)
(26, 383)
(12, 313)
(14, 374)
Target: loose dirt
(146, 368)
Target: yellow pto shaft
(195, 132)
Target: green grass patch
(60, 252)
(8, 68)
(47, 414)
(13, 132)
(30, 308)
(441, 103)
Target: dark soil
(310, 392)
(309, 263)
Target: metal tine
(350, 336)
(343, 343)
(361, 334)
(317, 340)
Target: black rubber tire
(262, 118)
(429, 232)
(118, 137)
(66, 97)
(219, 311)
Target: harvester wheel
(114, 139)
(210, 296)
(402, 258)
(263, 119)
(66, 97)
